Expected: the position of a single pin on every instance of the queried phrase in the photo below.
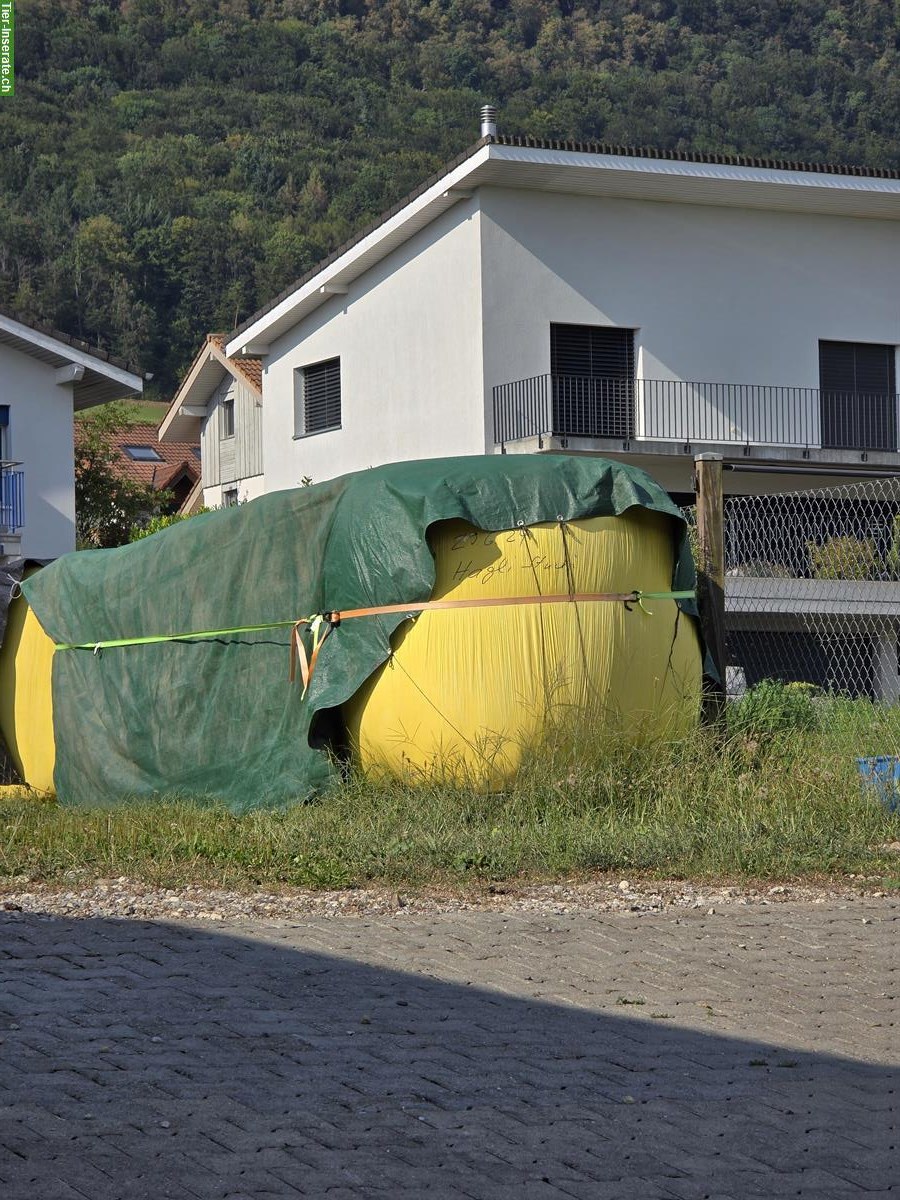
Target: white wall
(408, 335)
(248, 489)
(41, 437)
(716, 294)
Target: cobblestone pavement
(746, 1053)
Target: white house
(540, 296)
(220, 402)
(45, 377)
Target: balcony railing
(12, 498)
(627, 410)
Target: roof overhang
(574, 173)
(93, 380)
(188, 407)
(194, 499)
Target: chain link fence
(812, 596)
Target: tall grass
(774, 797)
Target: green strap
(315, 620)
(640, 597)
(176, 637)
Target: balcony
(677, 416)
(12, 499)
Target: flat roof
(578, 168)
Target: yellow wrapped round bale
(26, 703)
(468, 691)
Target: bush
(773, 707)
(155, 524)
(843, 558)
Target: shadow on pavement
(152, 1060)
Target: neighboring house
(643, 305)
(166, 466)
(219, 404)
(46, 376)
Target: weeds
(775, 797)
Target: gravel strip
(126, 898)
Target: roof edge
(211, 348)
(183, 388)
(363, 233)
(562, 146)
(69, 343)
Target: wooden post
(711, 575)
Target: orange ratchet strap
(321, 625)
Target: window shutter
(858, 395)
(592, 369)
(322, 396)
(592, 351)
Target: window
(592, 369)
(229, 497)
(142, 454)
(317, 397)
(858, 395)
(227, 406)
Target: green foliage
(107, 504)
(161, 521)
(773, 707)
(843, 558)
(893, 555)
(170, 167)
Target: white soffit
(578, 173)
(99, 380)
(692, 182)
(198, 387)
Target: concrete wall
(41, 437)
(408, 335)
(238, 458)
(715, 294)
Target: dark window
(317, 398)
(592, 368)
(142, 453)
(858, 401)
(228, 417)
(229, 497)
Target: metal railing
(12, 498)
(692, 413)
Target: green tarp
(218, 719)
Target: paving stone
(467, 1054)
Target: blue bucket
(881, 775)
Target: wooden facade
(231, 459)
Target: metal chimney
(488, 121)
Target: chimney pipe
(488, 121)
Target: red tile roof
(178, 458)
(250, 368)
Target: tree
(107, 503)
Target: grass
(760, 804)
(144, 412)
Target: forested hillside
(169, 166)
